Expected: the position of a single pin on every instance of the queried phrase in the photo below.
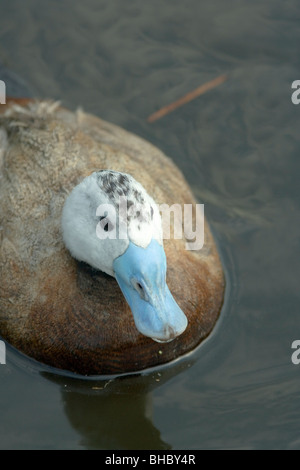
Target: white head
(110, 222)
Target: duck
(89, 283)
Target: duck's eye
(105, 224)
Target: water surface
(238, 146)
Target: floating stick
(186, 98)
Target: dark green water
(239, 148)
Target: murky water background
(239, 148)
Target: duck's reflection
(113, 421)
(115, 414)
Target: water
(238, 147)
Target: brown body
(55, 309)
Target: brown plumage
(62, 312)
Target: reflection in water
(113, 421)
(116, 413)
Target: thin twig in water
(188, 97)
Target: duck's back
(62, 312)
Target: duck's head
(110, 222)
